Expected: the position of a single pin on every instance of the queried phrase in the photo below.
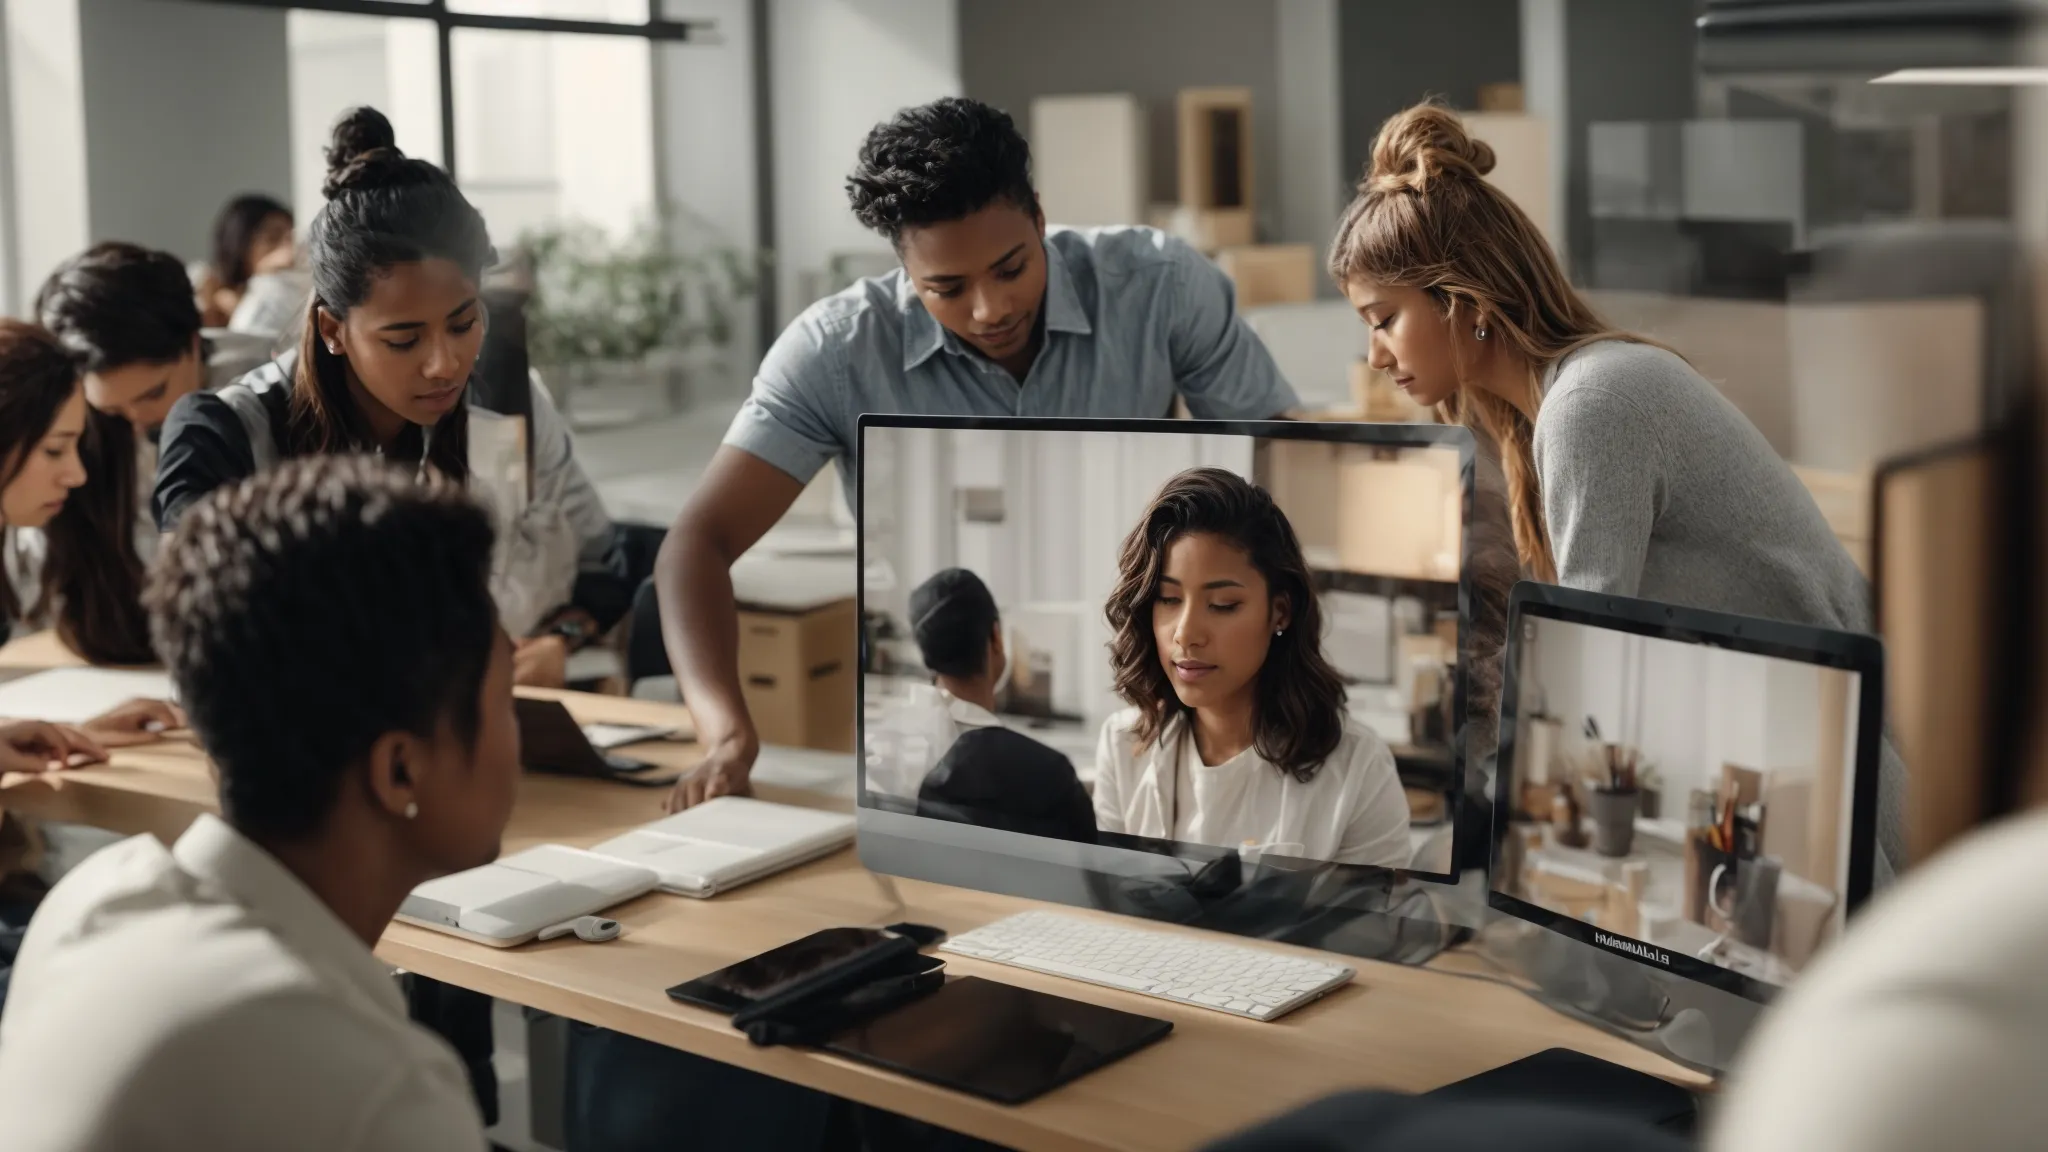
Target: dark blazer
(997, 778)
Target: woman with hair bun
(384, 366)
(1236, 734)
(1627, 472)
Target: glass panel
(600, 11)
(341, 61)
(554, 129)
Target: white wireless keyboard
(1245, 982)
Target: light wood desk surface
(1401, 1028)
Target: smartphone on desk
(752, 980)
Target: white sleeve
(1109, 800)
(534, 569)
(420, 1113)
(557, 471)
(1376, 827)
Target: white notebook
(510, 901)
(75, 695)
(724, 843)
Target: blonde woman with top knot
(1627, 471)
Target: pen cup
(1614, 821)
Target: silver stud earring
(1480, 334)
(412, 810)
(1279, 632)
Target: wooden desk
(1401, 1028)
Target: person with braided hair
(385, 365)
(1627, 471)
(330, 627)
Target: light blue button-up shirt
(1133, 318)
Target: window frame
(445, 22)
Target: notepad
(510, 901)
(75, 695)
(732, 840)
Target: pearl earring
(1279, 632)
(1480, 334)
(412, 810)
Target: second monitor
(1176, 638)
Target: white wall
(1691, 709)
(45, 81)
(840, 66)
(184, 109)
(1313, 185)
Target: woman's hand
(33, 746)
(541, 662)
(136, 722)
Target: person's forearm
(700, 628)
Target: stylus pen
(846, 974)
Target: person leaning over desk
(991, 314)
(385, 365)
(1627, 472)
(1236, 734)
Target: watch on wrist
(572, 630)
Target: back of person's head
(235, 234)
(937, 163)
(1425, 217)
(310, 612)
(1300, 718)
(384, 209)
(92, 575)
(953, 617)
(117, 304)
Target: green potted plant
(641, 309)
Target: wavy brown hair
(92, 574)
(1299, 718)
(1425, 217)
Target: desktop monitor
(1063, 801)
(1692, 790)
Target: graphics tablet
(998, 1041)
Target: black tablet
(998, 1041)
(737, 986)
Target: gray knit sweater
(1655, 486)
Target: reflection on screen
(1286, 612)
(1683, 798)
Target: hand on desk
(724, 771)
(33, 746)
(136, 722)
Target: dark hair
(953, 615)
(1300, 717)
(92, 574)
(937, 162)
(117, 304)
(382, 210)
(234, 231)
(307, 611)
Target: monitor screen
(1148, 645)
(1693, 790)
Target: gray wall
(184, 107)
(1623, 60)
(1393, 55)
(1014, 50)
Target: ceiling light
(1975, 76)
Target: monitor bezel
(902, 844)
(1848, 651)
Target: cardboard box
(797, 672)
(1270, 273)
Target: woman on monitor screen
(1236, 734)
(1627, 471)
